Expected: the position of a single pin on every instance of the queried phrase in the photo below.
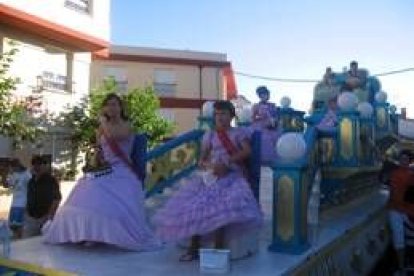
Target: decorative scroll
(304, 205)
(170, 163)
(381, 117)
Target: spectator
(17, 182)
(400, 204)
(43, 197)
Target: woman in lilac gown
(218, 199)
(329, 121)
(108, 208)
(265, 120)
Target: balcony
(53, 81)
(82, 6)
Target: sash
(226, 142)
(113, 145)
(231, 148)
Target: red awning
(230, 88)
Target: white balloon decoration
(347, 101)
(291, 146)
(208, 109)
(285, 102)
(365, 109)
(381, 97)
(245, 114)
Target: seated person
(43, 197)
(356, 78)
(107, 208)
(329, 120)
(324, 90)
(329, 77)
(218, 200)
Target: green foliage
(15, 122)
(141, 106)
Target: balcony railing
(84, 6)
(54, 81)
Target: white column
(69, 71)
(1, 42)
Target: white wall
(81, 75)
(96, 24)
(40, 60)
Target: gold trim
(347, 146)
(313, 263)
(285, 207)
(343, 173)
(33, 268)
(327, 147)
(381, 117)
(304, 205)
(365, 134)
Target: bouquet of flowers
(208, 177)
(96, 165)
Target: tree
(141, 106)
(15, 121)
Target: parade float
(325, 211)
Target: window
(164, 82)
(84, 6)
(119, 74)
(54, 81)
(167, 114)
(55, 69)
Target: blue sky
(275, 38)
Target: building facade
(56, 40)
(183, 80)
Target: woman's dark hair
(262, 90)
(120, 102)
(39, 160)
(225, 105)
(15, 163)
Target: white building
(56, 40)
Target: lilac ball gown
(107, 209)
(199, 209)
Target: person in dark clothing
(401, 206)
(388, 166)
(43, 197)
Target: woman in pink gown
(108, 208)
(218, 199)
